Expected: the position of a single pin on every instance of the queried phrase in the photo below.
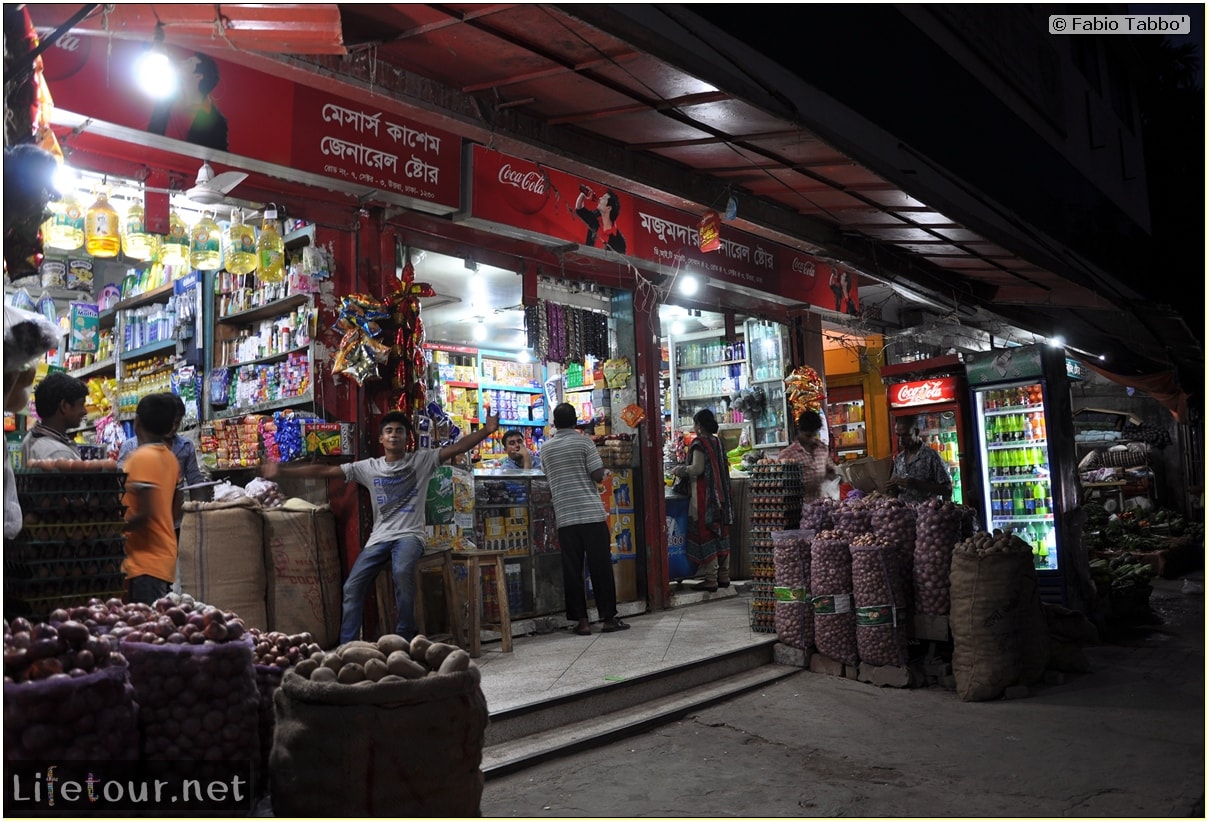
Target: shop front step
(524, 736)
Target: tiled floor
(541, 667)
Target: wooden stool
(439, 562)
(474, 562)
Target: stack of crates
(776, 505)
(72, 545)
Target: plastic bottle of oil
(102, 228)
(270, 249)
(174, 250)
(205, 245)
(137, 244)
(66, 225)
(239, 246)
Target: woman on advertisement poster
(602, 231)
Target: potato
(360, 655)
(323, 675)
(375, 669)
(333, 661)
(400, 664)
(419, 647)
(350, 674)
(391, 678)
(389, 643)
(306, 667)
(455, 661)
(436, 653)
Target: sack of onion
(831, 597)
(66, 692)
(392, 727)
(879, 599)
(793, 619)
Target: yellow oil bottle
(239, 245)
(270, 249)
(205, 245)
(102, 228)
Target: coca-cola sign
(532, 181)
(924, 392)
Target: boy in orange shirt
(153, 502)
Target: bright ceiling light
(480, 331)
(524, 356)
(66, 179)
(677, 328)
(688, 284)
(154, 71)
(1057, 342)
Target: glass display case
(767, 343)
(707, 370)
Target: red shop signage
(519, 194)
(924, 392)
(256, 115)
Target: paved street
(1126, 740)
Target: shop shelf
(96, 368)
(150, 348)
(280, 355)
(154, 295)
(264, 312)
(712, 365)
(286, 402)
(499, 386)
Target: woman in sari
(707, 544)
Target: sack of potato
(386, 728)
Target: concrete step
(524, 736)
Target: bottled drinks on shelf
(102, 232)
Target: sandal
(583, 629)
(614, 625)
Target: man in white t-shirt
(398, 485)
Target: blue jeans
(402, 554)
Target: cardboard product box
(868, 474)
(327, 438)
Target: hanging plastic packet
(47, 307)
(22, 300)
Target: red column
(650, 445)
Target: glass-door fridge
(939, 407)
(767, 347)
(1023, 423)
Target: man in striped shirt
(573, 468)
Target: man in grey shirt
(573, 468)
(59, 401)
(398, 484)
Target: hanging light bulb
(480, 331)
(688, 284)
(154, 71)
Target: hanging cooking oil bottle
(137, 244)
(65, 229)
(205, 244)
(270, 249)
(174, 249)
(102, 228)
(239, 245)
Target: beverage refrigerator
(1025, 434)
(935, 390)
(941, 407)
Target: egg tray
(39, 609)
(58, 532)
(43, 570)
(60, 481)
(63, 506)
(29, 590)
(28, 550)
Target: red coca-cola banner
(232, 108)
(924, 392)
(519, 194)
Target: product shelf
(266, 311)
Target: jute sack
(302, 564)
(409, 748)
(999, 632)
(221, 558)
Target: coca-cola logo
(68, 42)
(531, 181)
(526, 191)
(803, 266)
(917, 393)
